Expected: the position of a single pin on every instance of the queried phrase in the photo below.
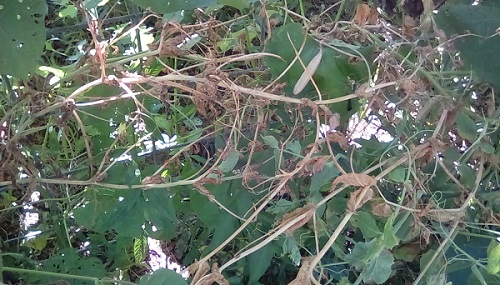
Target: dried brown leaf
(310, 103)
(362, 14)
(444, 216)
(303, 274)
(380, 208)
(307, 209)
(409, 26)
(339, 138)
(198, 270)
(155, 179)
(217, 277)
(373, 17)
(357, 200)
(334, 121)
(354, 179)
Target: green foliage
(478, 44)
(21, 50)
(369, 157)
(336, 74)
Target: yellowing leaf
(494, 260)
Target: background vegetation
(261, 142)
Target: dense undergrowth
(262, 142)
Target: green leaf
(467, 175)
(398, 174)
(163, 276)
(478, 275)
(362, 253)
(162, 123)
(271, 142)
(68, 262)
(333, 75)
(323, 177)
(379, 269)
(436, 266)
(22, 36)
(124, 173)
(224, 227)
(160, 211)
(230, 162)
(258, 262)
(466, 127)
(475, 25)
(206, 211)
(238, 4)
(367, 224)
(487, 148)
(294, 147)
(407, 252)
(494, 260)
(160, 6)
(291, 249)
(389, 238)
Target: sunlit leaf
(140, 249)
(494, 260)
(398, 174)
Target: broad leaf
(362, 254)
(258, 262)
(389, 238)
(68, 262)
(333, 75)
(22, 36)
(478, 45)
(466, 127)
(230, 162)
(379, 269)
(323, 177)
(367, 224)
(163, 276)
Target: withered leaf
(303, 275)
(353, 204)
(354, 179)
(308, 208)
(362, 14)
(380, 208)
